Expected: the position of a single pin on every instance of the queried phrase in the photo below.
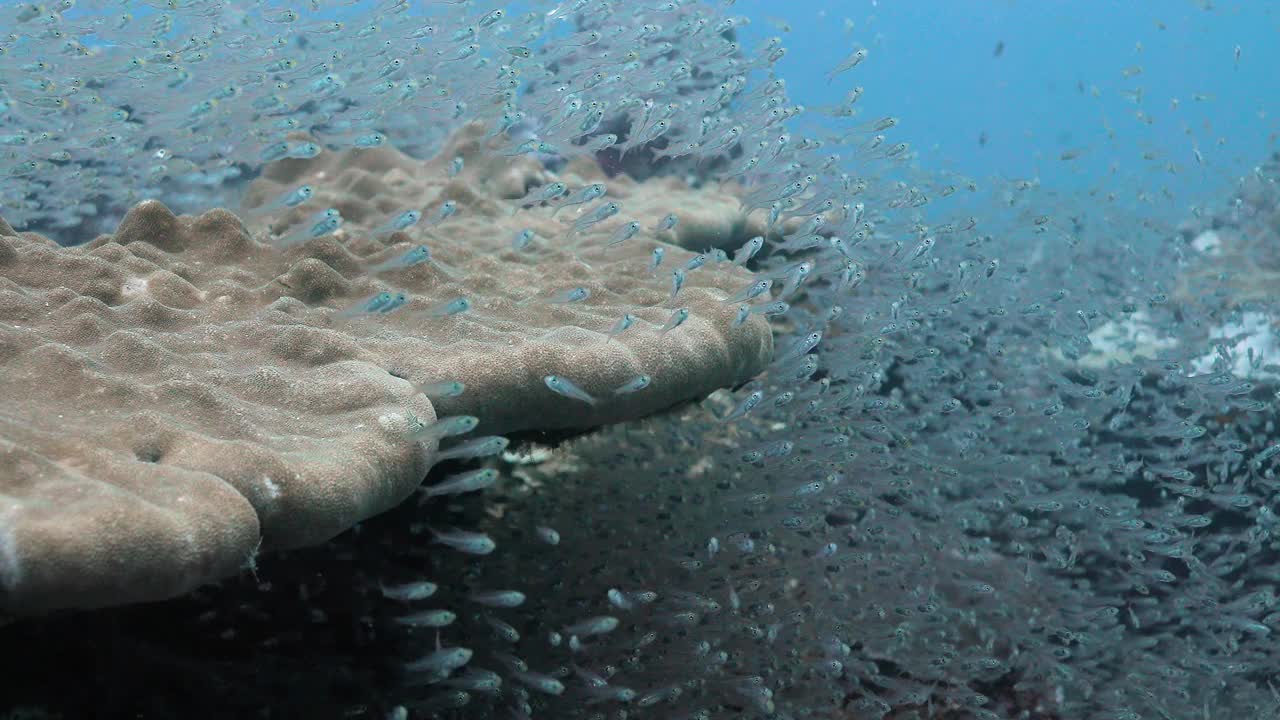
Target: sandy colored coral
(513, 337)
(164, 407)
(710, 216)
(179, 392)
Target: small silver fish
(442, 661)
(523, 239)
(667, 223)
(428, 618)
(548, 535)
(445, 427)
(440, 702)
(512, 662)
(443, 389)
(449, 308)
(656, 259)
(368, 305)
(748, 250)
(677, 282)
(397, 301)
(565, 387)
(624, 233)
(612, 693)
(502, 629)
(635, 384)
(304, 151)
(600, 214)
(409, 592)
(371, 140)
(472, 543)
(530, 146)
(624, 323)
(447, 210)
(403, 221)
(476, 680)
(542, 683)
(498, 598)
(581, 197)
(274, 152)
(619, 599)
(747, 405)
(541, 194)
(598, 625)
(463, 483)
(601, 142)
(677, 319)
(800, 347)
(839, 245)
(795, 277)
(416, 256)
(292, 198)
(564, 297)
(324, 226)
(750, 292)
(777, 307)
(475, 448)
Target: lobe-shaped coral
(179, 392)
(513, 336)
(710, 216)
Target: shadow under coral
(310, 636)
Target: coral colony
(725, 408)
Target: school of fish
(931, 505)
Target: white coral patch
(1208, 242)
(1123, 340)
(1254, 332)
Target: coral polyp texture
(186, 391)
(710, 216)
(165, 408)
(551, 307)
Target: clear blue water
(933, 64)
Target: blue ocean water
(1037, 79)
(1015, 454)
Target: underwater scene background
(658, 359)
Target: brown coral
(179, 392)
